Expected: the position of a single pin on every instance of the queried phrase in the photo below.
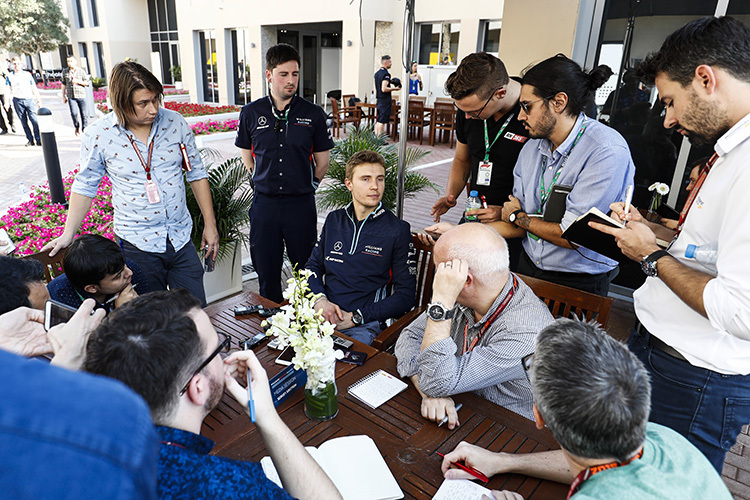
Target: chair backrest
(425, 272)
(444, 99)
(345, 99)
(416, 110)
(421, 98)
(567, 302)
(53, 266)
(334, 107)
(445, 113)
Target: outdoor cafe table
(408, 442)
(369, 114)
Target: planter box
(226, 279)
(200, 140)
(217, 118)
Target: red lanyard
(694, 192)
(585, 474)
(490, 320)
(146, 166)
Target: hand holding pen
(471, 470)
(256, 397)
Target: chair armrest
(389, 336)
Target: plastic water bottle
(23, 191)
(372, 96)
(472, 203)
(706, 254)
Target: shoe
(13, 129)
(39, 143)
(29, 144)
(78, 132)
(3, 132)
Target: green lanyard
(544, 193)
(487, 145)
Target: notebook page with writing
(377, 388)
(460, 489)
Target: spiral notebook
(377, 388)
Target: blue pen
(250, 402)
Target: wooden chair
(53, 266)
(345, 99)
(444, 99)
(425, 275)
(567, 302)
(394, 121)
(343, 115)
(445, 121)
(417, 121)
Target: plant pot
(324, 405)
(178, 85)
(226, 278)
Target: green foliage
(97, 82)
(334, 194)
(32, 26)
(176, 73)
(232, 197)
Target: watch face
(512, 217)
(648, 267)
(435, 312)
(356, 318)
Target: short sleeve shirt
(283, 150)
(381, 76)
(503, 153)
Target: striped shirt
(493, 368)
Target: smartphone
(248, 344)
(285, 358)
(9, 247)
(56, 312)
(208, 263)
(354, 357)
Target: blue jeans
(78, 113)
(364, 333)
(27, 108)
(178, 269)
(706, 407)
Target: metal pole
(51, 156)
(408, 42)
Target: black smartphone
(354, 357)
(56, 312)
(208, 263)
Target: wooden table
(371, 115)
(408, 442)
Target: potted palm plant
(232, 197)
(334, 194)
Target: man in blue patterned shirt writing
(140, 147)
(481, 321)
(164, 347)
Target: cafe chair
(567, 302)
(53, 266)
(417, 121)
(342, 115)
(394, 121)
(425, 274)
(445, 121)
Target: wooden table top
(408, 442)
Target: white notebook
(377, 388)
(355, 466)
(460, 489)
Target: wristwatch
(438, 312)
(357, 317)
(648, 264)
(514, 216)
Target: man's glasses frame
(526, 106)
(475, 114)
(223, 346)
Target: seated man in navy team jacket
(96, 268)
(364, 259)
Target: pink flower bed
(175, 92)
(190, 109)
(49, 86)
(100, 95)
(34, 222)
(211, 126)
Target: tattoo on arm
(523, 221)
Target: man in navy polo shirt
(383, 91)
(285, 145)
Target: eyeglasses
(475, 114)
(223, 346)
(526, 106)
(526, 362)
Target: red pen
(471, 470)
(484, 201)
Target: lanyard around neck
(544, 192)
(280, 115)
(490, 320)
(587, 473)
(146, 165)
(487, 145)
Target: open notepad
(461, 489)
(355, 466)
(377, 388)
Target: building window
(77, 14)
(491, 37)
(162, 16)
(99, 60)
(209, 70)
(438, 43)
(240, 48)
(93, 13)
(83, 56)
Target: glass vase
(322, 404)
(652, 214)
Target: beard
(713, 122)
(544, 126)
(217, 391)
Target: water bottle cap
(690, 251)
(474, 193)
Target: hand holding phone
(208, 263)
(69, 340)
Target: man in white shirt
(693, 331)
(24, 92)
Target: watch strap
(514, 216)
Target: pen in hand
(628, 199)
(471, 470)
(445, 418)
(250, 402)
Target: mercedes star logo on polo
(262, 120)
(337, 246)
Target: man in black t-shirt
(487, 101)
(383, 91)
